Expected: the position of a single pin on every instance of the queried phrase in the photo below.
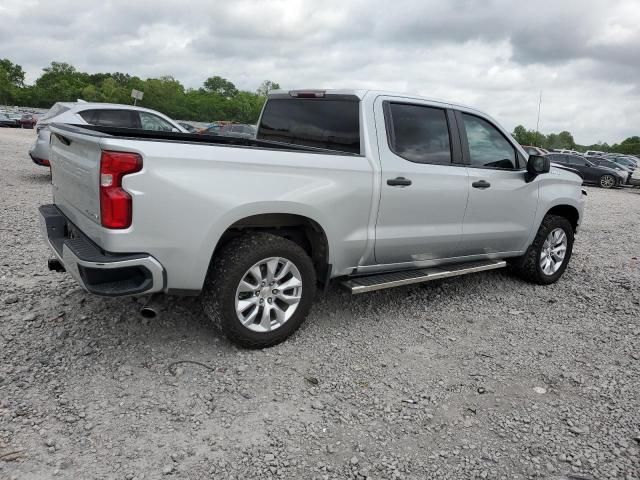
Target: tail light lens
(115, 203)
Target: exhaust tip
(55, 265)
(148, 312)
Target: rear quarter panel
(187, 195)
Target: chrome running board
(381, 281)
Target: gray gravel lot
(479, 377)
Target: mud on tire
(227, 270)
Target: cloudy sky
(492, 54)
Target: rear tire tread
(230, 264)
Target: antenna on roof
(538, 122)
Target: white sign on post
(136, 95)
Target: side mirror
(537, 165)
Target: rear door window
(419, 133)
(322, 123)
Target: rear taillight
(115, 202)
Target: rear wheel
(607, 181)
(259, 289)
(548, 256)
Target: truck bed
(152, 135)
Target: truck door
(424, 183)
(502, 205)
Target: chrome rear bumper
(99, 272)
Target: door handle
(399, 182)
(481, 184)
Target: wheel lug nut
(262, 300)
(270, 300)
(257, 293)
(275, 291)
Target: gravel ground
(479, 377)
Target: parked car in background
(28, 120)
(634, 179)
(240, 130)
(16, 117)
(103, 114)
(188, 127)
(7, 122)
(624, 160)
(594, 153)
(565, 150)
(591, 173)
(531, 150)
(212, 128)
(604, 162)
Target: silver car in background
(102, 114)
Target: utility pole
(538, 122)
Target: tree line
(565, 140)
(217, 99)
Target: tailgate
(75, 174)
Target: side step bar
(407, 277)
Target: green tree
(13, 71)
(566, 140)
(60, 82)
(520, 134)
(526, 137)
(266, 86)
(220, 86)
(630, 140)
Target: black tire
(528, 266)
(607, 181)
(227, 270)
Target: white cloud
(496, 54)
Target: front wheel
(259, 289)
(607, 181)
(548, 256)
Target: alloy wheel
(553, 251)
(268, 294)
(607, 181)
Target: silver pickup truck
(371, 188)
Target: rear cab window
(331, 122)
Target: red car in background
(28, 120)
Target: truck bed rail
(153, 135)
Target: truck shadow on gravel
(182, 319)
(116, 328)
(43, 177)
